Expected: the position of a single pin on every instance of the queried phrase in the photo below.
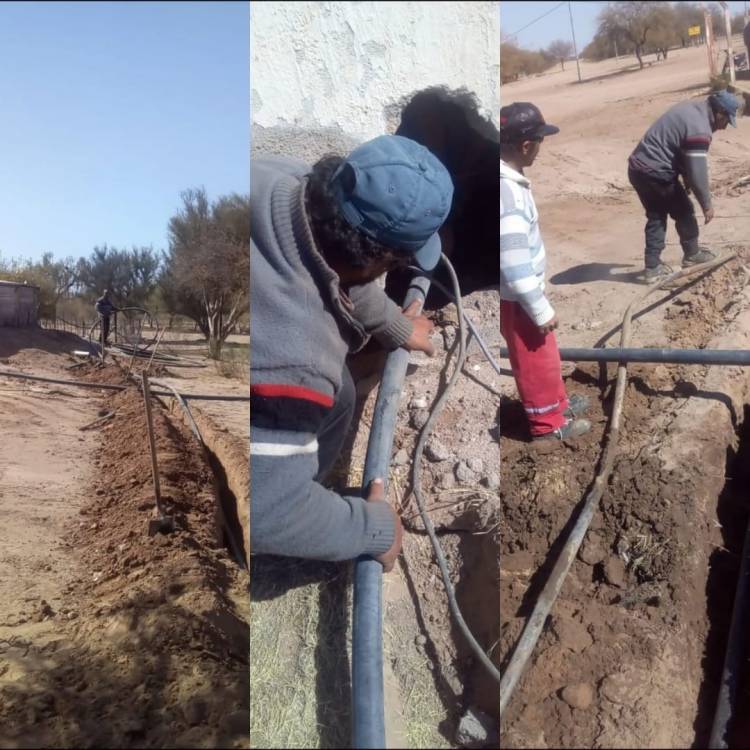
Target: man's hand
(708, 214)
(423, 327)
(376, 494)
(549, 326)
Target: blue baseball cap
(397, 192)
(727, 103)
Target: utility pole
(573, 32)
(728, 29)
(708, 21)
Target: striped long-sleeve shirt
(522, 257)
(677, 143)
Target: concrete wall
(327, 75)
(18, 304)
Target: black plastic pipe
(739, 357)
(116, 387)
(726, 703)
(368, 710)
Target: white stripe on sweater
(283, 450)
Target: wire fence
(79, 327)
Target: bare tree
(206, 273)
(633, 20)
(560, 50)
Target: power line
(531, 23)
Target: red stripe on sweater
(270, 390)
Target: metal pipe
(737, 357)
(368, 711)
(726, 702)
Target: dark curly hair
(337, 240)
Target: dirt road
(632, 651)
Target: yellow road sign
(694, 31)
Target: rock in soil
(475, 729)
(419, 418)
(614, 572)
(592, 551)
(491, 481)
(435, 451)
(464, 474)
(579, 696)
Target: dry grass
(299, 664)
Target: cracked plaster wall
(328, 75)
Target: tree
(685, 16)
(206, 274)
(516, 62)
(560, 50)
(130, 275)
(665, 33)
(634, 21)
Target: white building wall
(343, 66)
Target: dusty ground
(631, 654)
(111, 637)
(300, 672)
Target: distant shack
(19, 304)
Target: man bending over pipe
(527, 320)
(677, 144)
(319, 239)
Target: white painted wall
(339, 65)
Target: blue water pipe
(368, 711)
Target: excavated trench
(234, 534)
(733, 513)
(632, 653)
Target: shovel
(163, 523)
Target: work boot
(701, 255)
(577, 405)
(652, 275)
(572, 428)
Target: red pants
(535, 361)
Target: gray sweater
(303, 326)
(677, 143)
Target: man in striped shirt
(527, 320)
(677, 144)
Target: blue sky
(109, 110)
(556, 25)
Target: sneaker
(572, 428)
(577, 405)
(701, 255)
(659, 273)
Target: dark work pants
(335, 427)
(105, 326)
(662, 199)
